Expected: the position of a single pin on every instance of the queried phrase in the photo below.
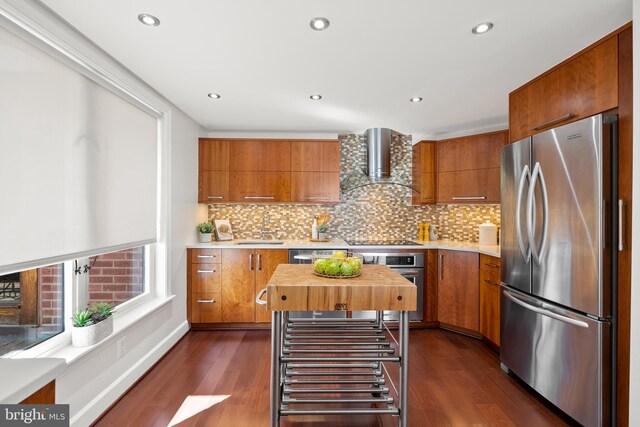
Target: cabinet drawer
(490, 276)
(205, 256)
(206, 307)
(489, 262)
(205, 277)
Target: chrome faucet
(264, 233)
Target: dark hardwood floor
(221, 378)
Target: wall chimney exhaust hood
(377, 168)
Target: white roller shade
(78, 163)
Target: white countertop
(492, 250)
(23, 377)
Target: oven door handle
(409, 273)
(304, 257)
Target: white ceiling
(265, 61)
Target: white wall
(634, 381)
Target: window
(31, 307)
(117, 277)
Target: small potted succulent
(92, 325)
(323, 225)
(205, 229)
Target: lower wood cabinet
(458, 289)
(222, 284)
(490, 298)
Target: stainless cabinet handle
(260, 197)
(259, 299)
(550, 122)
(206, 271)
(547, 313)
(469, 198)
(316, 198)
(250, 262)
(259, 262)
(208, 301)
(205, 256)
(620, 225)
(490, 264)
(215, 197)
(440, 272)
(491, 282)
(525, 252)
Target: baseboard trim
(103, 401)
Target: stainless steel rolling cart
(337, 366)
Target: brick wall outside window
(50, 284)
(117, 277)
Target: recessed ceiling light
(316, 97)
(485, 27)
(213, 95)
(416, 99)
(147, 19)
(319, 24)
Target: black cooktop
(381, 242)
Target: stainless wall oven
(408, 265)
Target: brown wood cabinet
(490, 298)
(45, 395)
(260, 187)
(424, 173)
(260, 155)
(222, 284)
(585, 85)
(469, 168)
(315, 156)
(268, 171)
(203, 286)
(458, 289)
(244, 273)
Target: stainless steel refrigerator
(558, 259)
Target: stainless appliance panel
(515, 253)
(562, 355)
(566, 230)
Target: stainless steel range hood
(377, 168)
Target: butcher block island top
(294, 287)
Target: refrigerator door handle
(535, 252)
(526, 253)
(547, 313)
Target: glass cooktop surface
(380, 242)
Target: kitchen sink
(260, 242)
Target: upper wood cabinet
(423, 172)
(582, 86)
(268, 171)
(469, 168)
(213, 154)
(315, 156)
(260, 187)
(260, 155)
(458, 289)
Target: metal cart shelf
(337, 366)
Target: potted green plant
(92, 325)
(323, 225)
(205, 229)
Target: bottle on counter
(314, 229)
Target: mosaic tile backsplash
(373, 212)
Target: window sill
(121, 323)
(23, 377)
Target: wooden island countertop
(294, 287)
